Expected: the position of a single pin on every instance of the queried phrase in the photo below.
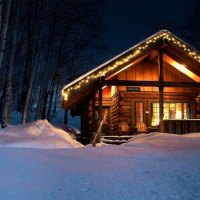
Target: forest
(44, 44)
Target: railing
(180, 126)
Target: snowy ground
(156, 166)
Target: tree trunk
(34, 62)
(32, 58)
(2, 101)
(28, 58)
(66, 117)
(29, 91)
(0, 15)
(4, 31)
(51, 94)
(44, 104)
(56, 100)
(8, 94)
(41, 107)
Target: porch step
(116, 139)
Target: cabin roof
(86, 83)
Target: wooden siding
(126, 103)
(148, 71)
(141, 71)
(85, 123)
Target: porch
(182, 126)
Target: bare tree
(52, 44)
(32, 58)
(8, 86)
(4, 27)
(41, 109)
(1, 12)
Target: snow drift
(165, 141)
(152, 166)
(38, 134)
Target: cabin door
(138, 112)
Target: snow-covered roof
(124, 58)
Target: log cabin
(153, 86)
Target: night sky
(129, 22)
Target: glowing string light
(133, 53)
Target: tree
(191, 28)
(32, 55)
(50, 43)
(4, 27)
(8, 85)
(41, 108)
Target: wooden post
(93, 117)
(100, 109)
(161, 103)
(161, 88)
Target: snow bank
(38, 134)
(165, 140)
(101, 144)
(139, 170)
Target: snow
(38, 134)
(155, 166)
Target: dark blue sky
(130, 21)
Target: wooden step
(117, 140)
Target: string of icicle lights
(135, 52)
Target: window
(155, 114)
(187, 111)
(170, 111)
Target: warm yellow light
(93, 74)
(181, 68)
(113, 90)
(178, 114)
(65, 96)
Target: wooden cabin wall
(121, 109)
(90, 117)
(86, 123)
(126, 100)
(120, 101)
(148, 71)
(125, 108)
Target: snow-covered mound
(165, 140)
(38, 134)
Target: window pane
(166, 111)
(171, 111)
(155, 114)
(178, 111)
(186, 111)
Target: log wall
(126, 103)
(85, 123)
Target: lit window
(171, 111)
(155, 114)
